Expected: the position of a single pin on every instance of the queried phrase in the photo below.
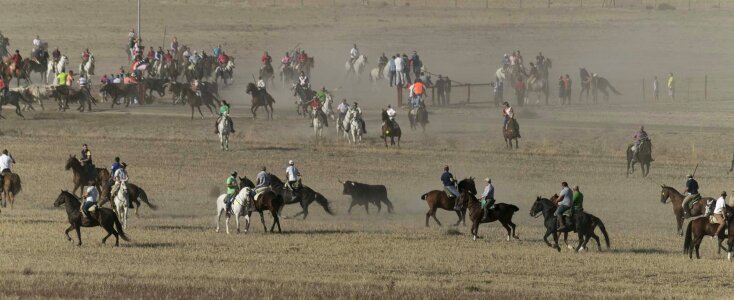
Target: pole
(468, 92)
(139, 33)
(643, 89)
(688, 92)
(164, 35)
(705, 87)
(400, 94)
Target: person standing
(562, 90)
(498, 92)
(671, 86)
(656, 89)
(567, 81)
(399, 66)
(391, 70)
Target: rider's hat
(690, 176)
(123, 164)
(488, 179)
(723, 194)
(290, 162)
(264, 168)
(234, 173)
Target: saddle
(448, 193)
(693, 202)
(259, 191)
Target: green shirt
(61, 79)
(224, 109)
(230, 181)
(322, 96)
(578, 201)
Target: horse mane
(384, 115)
(70, 196)
(665, 187)
(275, 179)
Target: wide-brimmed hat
(290, 162)
(488, 179)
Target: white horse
(88, 68)
(375, 74)
(240, 208)
(223, 128)
(355, 128)
(318, 125)
(56, 68)
(122, 202)
(358, 67)
(327, 107)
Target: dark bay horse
(268, 200)
(15, 98)
(439, 199)
(644, 157)
(697, 229)
(677, 199)
(207, 99)
(502, 212)
(306, 197)
(103, 217)
(259, 99)
(11, 186)
(135, 194)
(81, 178)
(511, 132)
(583, 223)
(389, 130)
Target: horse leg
(475, 229)
(237, 221)
(262, 219)
(219, 219)
(66, 232)
(199, 108)
(596, 238)
(507, 227)
(78, 235)
(545, 237)
(460, 215)
(555, 239)
(275, 221)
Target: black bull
(364, 194)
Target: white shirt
(391, 113)
(6, 162)
(261, 84)
(37, 43)
(719, 208)
(343, 108)
(82, 81)
(302, 79)
(293, 173)
(92, 194)
(488, 191)
(131, 35)
(398, 64)
(509, 112)
(117, 80)
(121, 175)
(354, 53)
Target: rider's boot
(562, 221)
(486, 213)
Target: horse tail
(17, 187)
(118, 226)
(513, 208)
(424, 196)
(323, 202)
(389, 205)
(143, 196)
(612, 88)
(687, 239)
(603, 229)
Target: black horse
(305, 196)
(644, 157)
(14, 98)
(583, 223)
(104, 217)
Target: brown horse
(390, 130)
(511, 132)
(207, 98)
(11, 187)
(677, 199)
(103, 217)
(439, 199)
(257, 101)
(697, 230)
(135, 194)
(81, 178)
(502, 212)
(268, 200)
(305, 198)
(9, 71)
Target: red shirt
(167, 57)
(520, 85)
(16, 58)
(266, 59)
(223, 59)
(302, 57)
(2, 84)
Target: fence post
(643, 89)
(705, 87)
(399, 87)
(486, 4)
(688, 92)
(468, 92)
(433, 95)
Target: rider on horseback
(565, 202)
(86, 160)
(16, 59)
(286, 60)
(533, 75)
(353, 55)
(640, 137)
(293, 176)
(86, 54)
(90, 200)
(449, 184)
(578, 200)
(720, 213)
(6, 165)
(4, 90)
(224, 113)
(120, 178)
(488, 198)
(507, 114)
(263, 183)
(691, 193)
(358, 116)
(381, 63)
(231, 190)
(417, 90)
(261, 89)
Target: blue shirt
(115, 166)
(692, 186)
(391, 65)
(446, 178)
(263, 179)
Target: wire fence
(502, 4)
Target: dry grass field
(175, 252)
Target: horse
(677, 199)
(305, 196)
(122, 202)
(376, 74)
(600, 84)
(224, 72)
(502, 212)
(356, 68)
(57, 67)
(207, 98)
(103, 217)
(584, 225)
(11, 186)
(355, 127)
(15, 98)
(81, 178)
(304, 95)
(240, 208)
(327, 107)
(418, 116)
(697, 230)
(644, 157)
(511, 132)
(257, 100)
(223, 127)
(266, 200)
(390, 128)
(135, 195)
(267, 73)
(537, 85)
(439, 199)
(86, 69)
(318, 123)
(585, 83)
(32, 66)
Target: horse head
(64, 198)
(71, 162)
(666, 193)
(251, 88)
(467, 184)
